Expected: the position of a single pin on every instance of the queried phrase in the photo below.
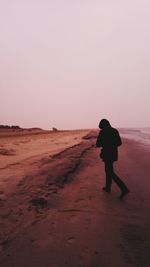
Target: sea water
(141, 135)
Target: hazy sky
(69, 63)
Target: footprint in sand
(79, 199)
(91, 197)
(2, 202)
(71, 240)
(83, 187)
(73, 219)
(88, 220)
(84, 258)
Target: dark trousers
(111, 175)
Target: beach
(53, 212)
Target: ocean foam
(141, 135)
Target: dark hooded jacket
(109, 139)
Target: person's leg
(120, 184)
(109, 175)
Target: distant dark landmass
(18, 128)
(10, 127)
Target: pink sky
(67, 63)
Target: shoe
(108, 190)
(124, 193)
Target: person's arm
(99, 141)
(118, 141)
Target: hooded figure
(109, 140)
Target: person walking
(109, 140)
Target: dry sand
(20, 150)
(53, 212)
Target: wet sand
(55, 213)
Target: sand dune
(29, 145)
(55, 213)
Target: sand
(20, 150)
(53, 212)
